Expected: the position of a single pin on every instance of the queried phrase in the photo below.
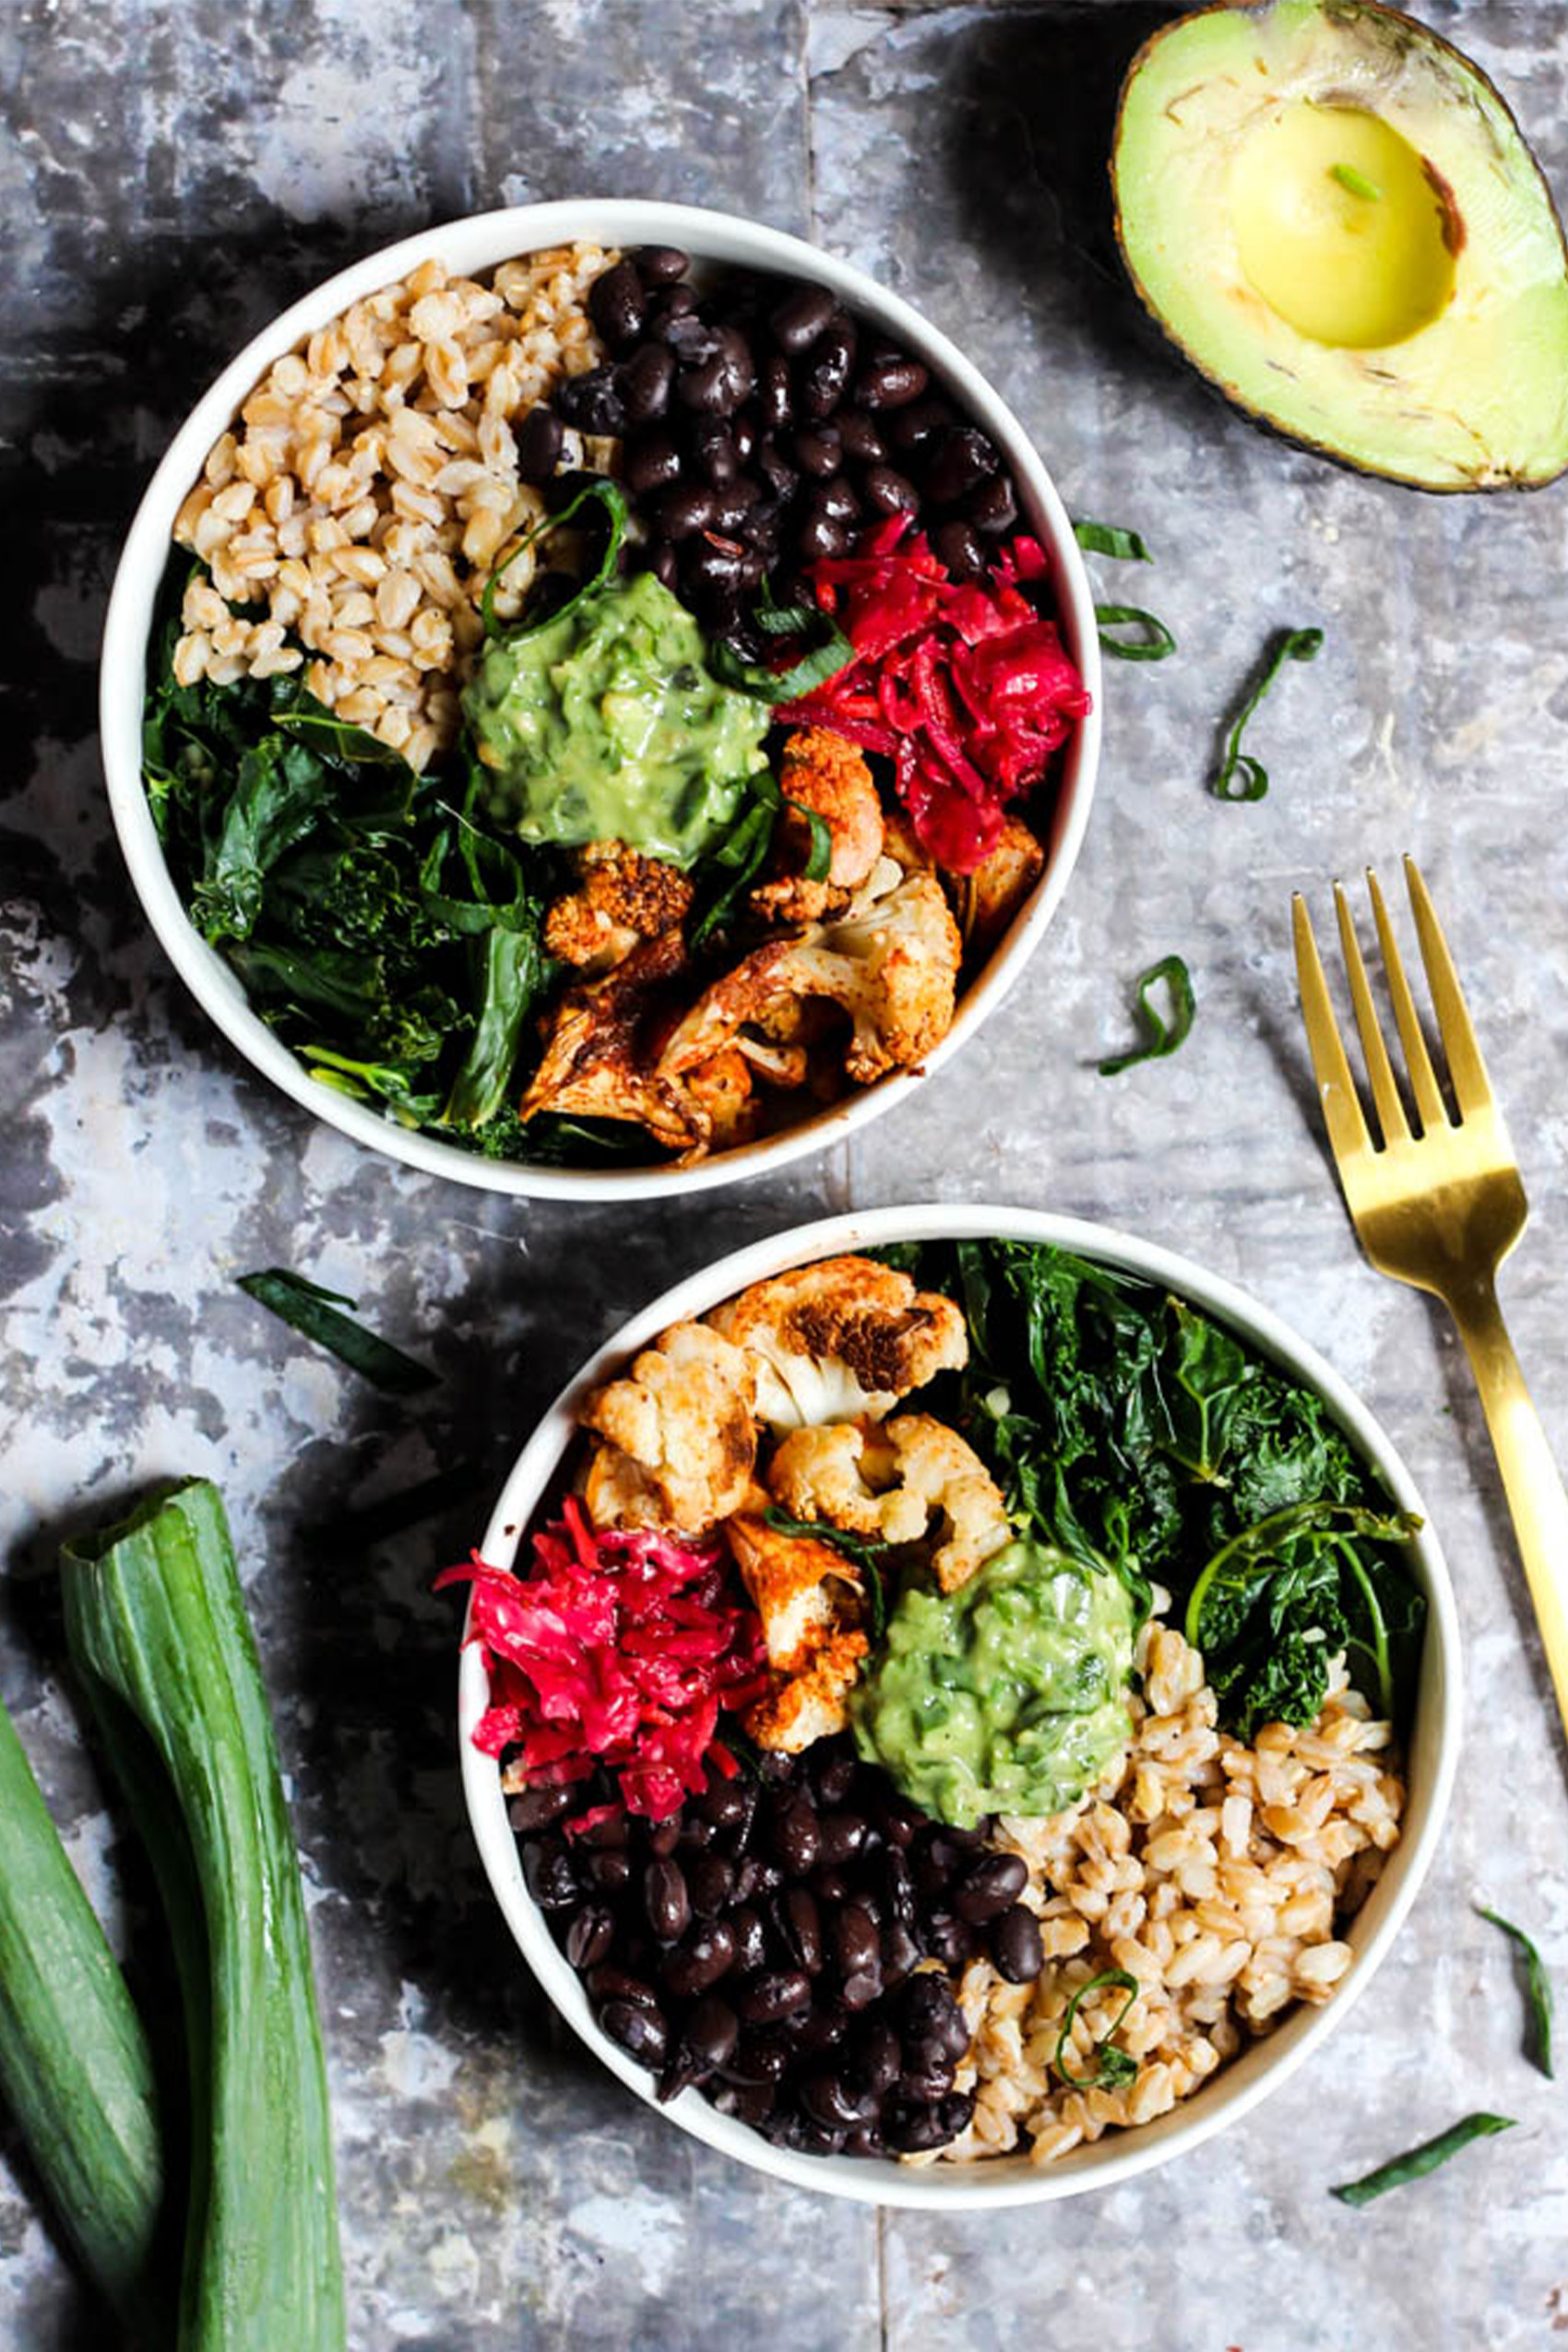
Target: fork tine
(1336, 1089)
(1472, 1087)
(1417, 1061)
(1385, 1094)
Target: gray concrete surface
(171, 174)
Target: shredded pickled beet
(963, 686)
(620, 1648)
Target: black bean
(642, 2033)
(816, 2031)
(959, 548)
(741, 1827)
(800, 1924)
(660, 264)
(747, 2102)
(693, 340)
(614, 1831)
(695, 1834)
(836, 500)
(927, 2012)
(592, 402)
(1015, 1945)
(706, 1954)
(834, 2100)
(607, 1982)
(760, 2058)
(993, 507)
(900, 1952)
(750, 1938)
(861, 1990)
(898, 1890)
(961, 459)
(950, 1940)
(817, 450)
(775, 469)
(855, 1939)
(777, 1992)
(860, 437)
(548, 1869)
(709, 2032)
(609, 1871)
(796, 1837)
(911, 428)
(800, 319)
(865, 2141)
(617, 303)
(537, 1808)
(665, 1899)
(834, 1777)
(540, 437)
(822, 377)
(931, 1869)
(724, 1804)
(664, 1836)
(744, 431)
(714, 454)
(651, 462)
(775, 394)
(710, 1881)
(671, 302)
(819, 537)
(645, 379)
(991, 1886)
(732, 506)
(683, 512)
(831, 1885)
(590, 1935)
(878, 2060)
(955, 2113)
(887, 492)
(816, 2140)
(716, 564)
(717, 386)
(890, 382)
(755, 1876)
(912, 2129)
(665, 564)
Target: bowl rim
(1249, 2078)
(479, 241)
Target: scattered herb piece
(1538, 1986)
(1356, 182)
(1154, 646)
(314, 1312)
(745, 849)
(1113, 2067)
(823, 658)
(1110, 539)
(866, 1552)
(609, 497)
(1164, 1037)
(1290, 645)
(1418, 2162)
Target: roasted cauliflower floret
(593, 1065)
(900, 1482)
(891, 963)
(842, 1338)
(808, 1597)
(992, 893)
(826, 773)
(722, 1093)
(680, 1433)
(623, 897)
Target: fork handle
(1530, 1476)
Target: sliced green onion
(814, 670)
(1418, 2162)
(1113, 2067)
(1537, 1988)
(1154, 646)
(1164, 1037)
(1356, 182)
(1110, 539)
(1290, 645)
(313, 1312)
(609, 496)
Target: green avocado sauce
(1007, 1696)
(606, 724)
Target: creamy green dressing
(1007, 1696)
(606, 724)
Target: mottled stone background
(171, 174)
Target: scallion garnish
(1125, 546)
(814, 668)
(1418, 2162)
(313, 1312)
(1113, 2068)
(1164, 1037)
(1113, 540)
(1290, 645)
(609, 496)
(1538, 1989)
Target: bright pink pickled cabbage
(963, 686)
(619, 1649)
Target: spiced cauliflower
(901, 1481)
(841, 1338)
(679, 1435)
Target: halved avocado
(1334, 216)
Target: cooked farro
(1218, 1875)
(370, 488)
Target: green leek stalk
(157, 1626)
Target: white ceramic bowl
(475, 244)
(1239, 2087)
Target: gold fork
(1441, 1208)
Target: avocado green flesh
(1334, 217)
(606, 724)
(1007, 1696)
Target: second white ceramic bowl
(1231, 2094)
(470, 246)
